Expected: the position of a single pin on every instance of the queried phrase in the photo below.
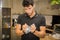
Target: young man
(30, 19)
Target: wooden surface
(48, 38)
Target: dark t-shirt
(38, 20)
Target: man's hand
(24, 27)
(33, 28)
(18, 30)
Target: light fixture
(0, 4)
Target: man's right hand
(18, 30)
(24, 27)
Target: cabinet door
(6, 23)
(6, 17)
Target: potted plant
(55, 4)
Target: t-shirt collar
(33, 16)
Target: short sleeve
(43, 21)
(19, 20)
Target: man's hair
(26, 3)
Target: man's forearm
(39, 33)
(19, 32)
(36, 33)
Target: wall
(42, 6)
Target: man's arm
(18, 30)
(40, 33)
(42, 28)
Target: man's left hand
(33, 28)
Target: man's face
(29, 9)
